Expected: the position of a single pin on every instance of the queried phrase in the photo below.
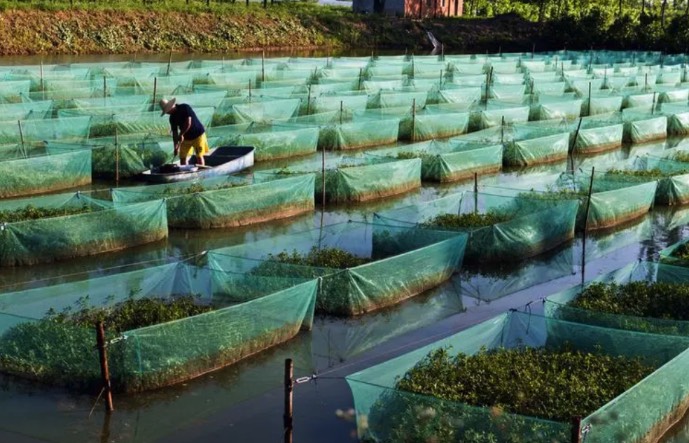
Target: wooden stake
(117, 157)
(323, 177)
(105, 88)
(21, 138)
(263, 65)
(42, 84)
(169, 62)
(502, 130)
(586, 224)
(653, 105)
(155, 91)
(105, 430)
(308, 102)
(589, 106)
(361, 74)
(574, 144)
(475, 192)
(341, 110)
(413, 120)
(287, 418)
(249, 90)
(576, 429)
(105, 373)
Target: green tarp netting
(386, 414)
(270, 141)
(26, 111)
(444, 162)
(642, 125)
(121, 156)
(221, 202)
(677, 118)
(38, 130)
(99, 228)
(404, 262)
(251, 313)
(532, 225)
(432, 122)
(559, 305)
(41, 174)
(672, 176)
(596, 135)
(359, 178)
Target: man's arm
(184, 129)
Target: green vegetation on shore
(62, 27)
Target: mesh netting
(220, 202)
(271, 142)
(249, 314)
(398, 263)
(36, 175)
(384, 413)
(521, 226)
(91, 226)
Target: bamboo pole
(21, 138)
(155, 92)
(169, 62)
(589, 103)
(413, 120)
(574, 144)
(105, 89)
(576, 429)
(475, 192)
(105, 372)
(42, 83)
(308, 102)
(287, 418)
(586, 224)
(361, 74)
(249, 90)
(263, 65)
(117, 157)
(341, 110)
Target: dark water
(244, 402)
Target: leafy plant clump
(642, 299)
(649, 173)
(131, 313)
(406, 155)
(320, 257)
(468, 220)
(682, 252)
(198, 187)
(30, 212)
(429, 401)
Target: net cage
(45, 333)
(514, 227)
(614, 199)
(63, 226)
(672, 177)
(444, 162)
(670, 270)
(120, 156)
(226, 201)
(358, 178)
(641, 413)
(270, 141)
(44, 173)
(389, 263)
(677, 118)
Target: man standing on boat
(187, 130)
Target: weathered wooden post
(586, 225)
(289, 389)
(105, 372)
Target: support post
(653, 106)
(263, 65)
(502, 130)
(105, 372)
(323, 177)
(117, 156)
(42, 84)
(361, 74)
(289, 388)
(588, 108)
(574, 144)
(576, 429)
(21, 138)
(341, 110)
(169, 62)
(586, 224)
(155, 92)
(475, 192)
(413, 120)
(308, 102)
(105, 88)
(249, 90)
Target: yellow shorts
(199, 144)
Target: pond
(244, 402)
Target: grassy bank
(137, 27)
(236, 27)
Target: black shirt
(178, 120)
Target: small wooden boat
(222, 160)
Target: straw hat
(166, 105)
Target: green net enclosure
(675, 254)
(496, 114)
(629, 285)
(643, 125)
(593, 135)
(552, 107)
(14, 91)
(500, 227)
(26, 111)
(364, 266)
(672, 94)
(45, 173)
(270, 141)
(62, 226)
(264, 112)
(221, 202)
(434, 121)
(397, 99)
(121, 156)
(358, 178)
(444, 161)
(677, 118)
(164, 324)
(38, 130)
(450, 93)
(602, 102)
(151, 122)
(615, 199)
(642, 412)
(537, 150)
(672, 176)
